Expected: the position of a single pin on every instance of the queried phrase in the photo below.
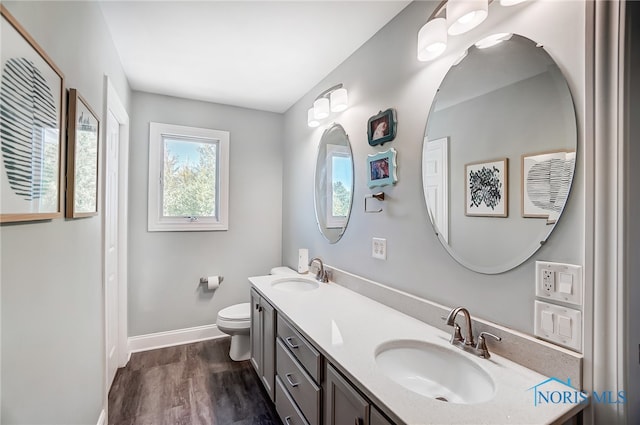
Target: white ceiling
(256, 54)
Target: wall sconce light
(334, 99)
(461, 16)
(465, 15)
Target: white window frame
(156, 221)
(334, 221)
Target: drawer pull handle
(290, 344)
(288, 420)
(293, 384)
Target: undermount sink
(434, 371)
(295, 284)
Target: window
(339, 183)
(188, 178)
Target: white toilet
(236, 321)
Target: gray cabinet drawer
(286, 407)
(308, 356)
(298, 384)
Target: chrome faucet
(467, 343)
(321, 275)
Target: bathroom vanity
(328, 355)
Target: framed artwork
(31, 129)
(545, 183)
(83, 129)
(381, 168)
(381, 128)
(486, 188)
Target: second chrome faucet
(467, 343)
(322, 275)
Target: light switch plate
(379, 248)
(567, 325)
(559, 282)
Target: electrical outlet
(559, 282)
(379, 248)
(548, 281)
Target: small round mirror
(499, 153)
(333, 183)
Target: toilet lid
(236, 312)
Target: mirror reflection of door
(435, 178)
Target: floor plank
(192, 384)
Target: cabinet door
(343, 404)
(268, 347)
(256, 333)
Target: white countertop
(348, 327)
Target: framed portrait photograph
(83, 130)
(381, 168)
(545, 182)
(381, 128)
(486, 188)
(31, 128)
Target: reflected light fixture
(511, 2)
(432, 39)
(464, 15)
(493, 39)
(334, 99)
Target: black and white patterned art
(546, 182)
(31, 103)
(486, 189)
(28, 113)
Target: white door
(435, 166)
(111, 244)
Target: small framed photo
(486, 188)
(546, 180)
(381, 168)
(381, 128)
(83, 130)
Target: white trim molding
(171, 338)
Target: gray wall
(52, 303)
(164, 267)
(384, 73)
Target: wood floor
(192, 384)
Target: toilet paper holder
(205, 280)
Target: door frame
(113, 104)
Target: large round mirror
(333, 183)
(499, 154)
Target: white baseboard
(102, 420)
(171, 338)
